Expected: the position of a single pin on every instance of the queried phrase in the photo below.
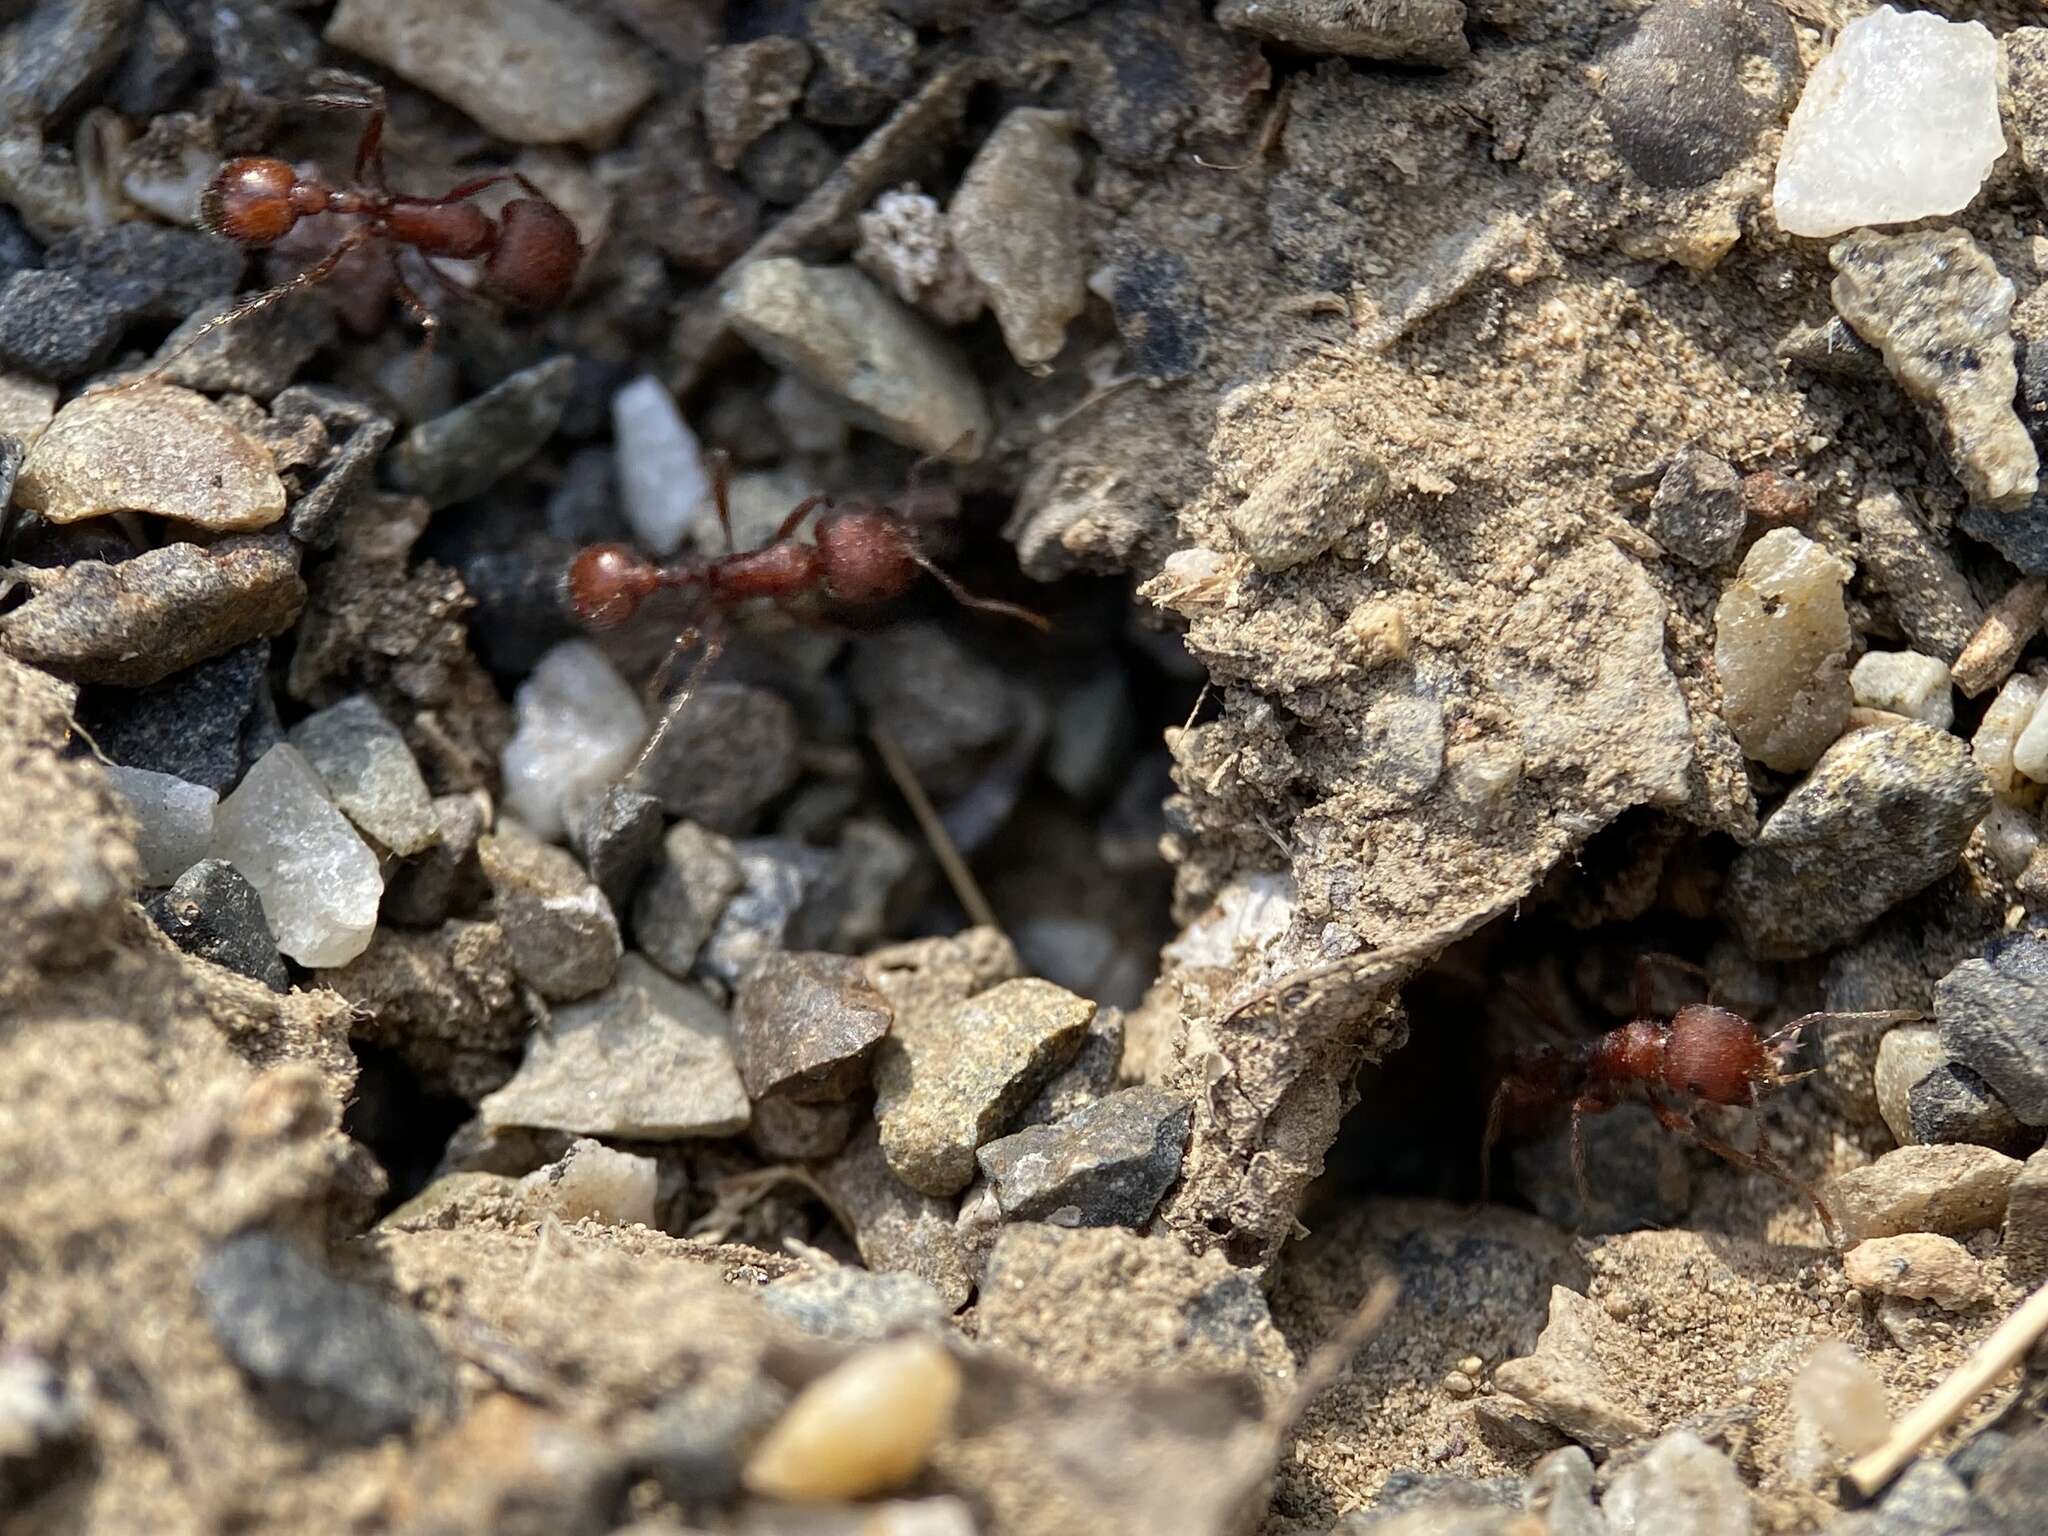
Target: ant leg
(318, 273)
(469, 189)
(967, 599)
(1680, 1123)
(1585, 1104)
(714, 645)
(429, 322)
(1646, 981)
(802, 510)
(339, 91)
(1496, 1111)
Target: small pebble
(1884, 814)
(1321, 491)
(531, 71)
(1694, 83)
(1160, 313)
(1918, 1265)
(947, 1083)
(1995, 644)
(318, 881)
(749, 88)
(1905, 683)
(469, 449)
(212, 912)
(867, 61)
(1898, 122)
(1781, 643)
(1017, 223)
(150, 271)
(681, 901)
(174, 821)
(805, 1025)
(153, 448)
(1419, 31)
(593, 1180)
(855, 1306)
(580, 725)
(1994, 1020)
(1954, 1190)
(663, 483)
(2001, 727)
(1934, 604)
(346, 475)
(1563, 1380)
(564, 936)
(1937, 307)
(1696, 512)
(906, 243)
(864, 1428)
(446, 879)
(370, 773)
(729, 750)
(332, 1355)
(890, 372)
(1679, 1486)
(1108, 1164)
(617, 838)
(54, 327)
(1906, 1054)
(647, 1059)
(773, 909)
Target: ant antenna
(967, 599)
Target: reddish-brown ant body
(1701, 1056)
(529, 250)
(861, 554)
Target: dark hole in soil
(402, 1123)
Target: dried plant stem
(958, 875)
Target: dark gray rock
(19, 250)
(584, 508)
(787, 164)
(1952, 1103)
(2014, 1487)
(260, 46)
(336, 1357)
(774, 909)
(155, 70)
(471, 448)
(1090, 1076)
(2022, 536)
(212, 912)
(42, 1428)
(1882, 816)
(727, 752)
(1636, 1174)
(349, 471)
(681, 902)
(51, 61)
(1694, 83)
(1927, 1500)
(150, 271)
(1831, 348)
(697, 1440)
(1159, 314)
(618, 837)
(1106, 1165)
(191, 726)
(857, 1306)
(1696, 513)
(946, 707)
(804, 1026)
(867, 60)
(564, 936)
(1929, 595)
(54, 327)
(447, 880)
(1975, 1454)
(258, 355)
(1994, 1020)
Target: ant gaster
(529, 250)
(1702, 1055)
(862, 554)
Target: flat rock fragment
(1106, 1165)
(1564, 1381)
(370, 772)
(804, 1026)
(1993, 1014)
(564, 936)
(1951, 1190)
(1016, 221)
(1781, 647)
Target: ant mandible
(862, 554)
(1702, 1055)
(530, 250)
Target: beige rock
(26, 406)
(1955, 1189)
(1781, 645)
(1016, 222)
(597, 1181)
(154, 448)
(864, 1428)
(890, 371)
(1918, 1265)
(1907, 1053)
(2001, 728)
(1563, 1380)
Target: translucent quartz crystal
(1898, 122)
(580, 724)
(318, 881)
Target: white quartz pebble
(1998, 733)
(318, 881)
(580, 724)
(1899, 122)
(662, 480)
(1905, 683)
(173, 818)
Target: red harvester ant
(530, 250)
(862, 554)
(1702, 1055)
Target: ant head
(870, 554)
(608, 582)
(1715, 1055)
(250, 200)
(533, 264)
